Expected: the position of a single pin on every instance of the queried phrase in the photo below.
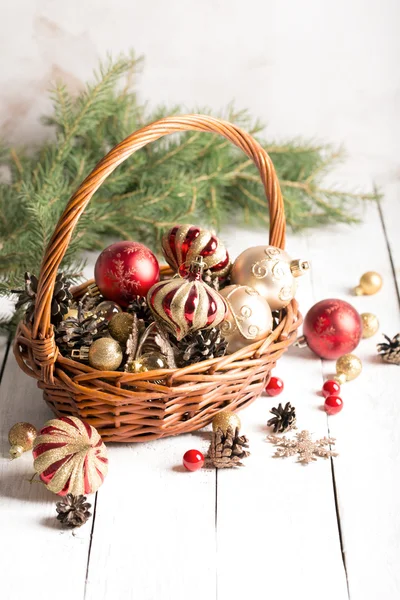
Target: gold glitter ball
(105, 354)
(370, 324)
(349, 365)
(120, 326)
(21, 437)
(225, 419)
(370, 283)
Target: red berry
(333, 405)
(193, 460)
(275, 386)
(330, 388)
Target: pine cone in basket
(76, 332)
(228, 450)
(140, 308)
(59, 304)
(200, 345)
(73, 511)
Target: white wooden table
(273, 529)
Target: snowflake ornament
(303, 445)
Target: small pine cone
(284, 419)
(200, 345)
(73, 511)
(140, 307)
(228, 450)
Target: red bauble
(125, 270)
(333, 405)
(332, 328)
(330, 388)
(193, 460)
(275, 386)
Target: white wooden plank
(37, 558)
(367, 430)
(276, 526)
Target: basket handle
(61, 237)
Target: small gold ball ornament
(21, 437)
(271, 272)
(348, 367)
(120, 326)
(370, 283)
(370, 324)
(225, 419)
(105, 354)
(249, 317)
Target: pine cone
(76, 332)
(73, 511)
(285, 418)
(140, 307)
(228, 450)
(200, 345)
(390, 351)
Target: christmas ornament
(330, 388)
(200, 345)
(120, 327)
(333, 405)
(193, 460)
(125, 270)
(225, 419)
(227, 448)
(75, 332)
(61, 299)
(184, 305)
(348, 367)
(140, 308)
(249, 318)
(370, 324)
(105, 354)
(303, 445)
(275, 386)
(182, 244)
(73, 511)
(70, 457)
(390, 351)
(271, 272)
(107, 309)
(21, 437)
(331, 328)
(370, 283)
(284, 418)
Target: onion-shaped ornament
(271, 272)
(183, 243)
(70, 457)
(186, 304)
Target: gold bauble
(370, 324)
(120, 326)
(225, 419)
(370, 283)
(249, 318)
(21, 437)
(105, 354)
(349, 366)
(271, 272)
(71, 314)
(150, 361)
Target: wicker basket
(127, 407)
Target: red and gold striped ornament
(183, 243)
(70, 457)
(186, 304)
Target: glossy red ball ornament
(193, 460)
(330, 388)
(275, 386)
(332, 328)
(333, 405)
(125, 270)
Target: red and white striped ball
(70, 457)
(183, 243)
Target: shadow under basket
(127, 407)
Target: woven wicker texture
(127, 407)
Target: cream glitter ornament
(271, 272)
(249, 318)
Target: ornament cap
(299, 267)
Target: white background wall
(314, 68)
